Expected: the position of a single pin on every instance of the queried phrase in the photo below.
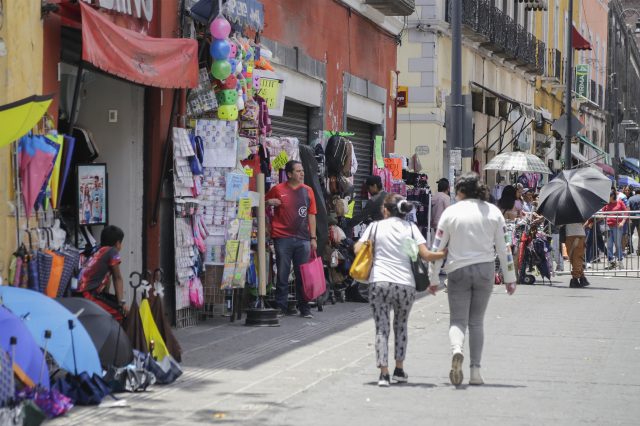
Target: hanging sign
(422, 150)
(280, 161)
(271, 89)
(395, 166)
(402, 100)
(455, 159)
(582, 80)
(378, 152)
(246, 13)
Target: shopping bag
(313, 281)
(361, 266)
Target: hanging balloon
(228, 112)
(220, 49)
(220, 28)
(221, 69)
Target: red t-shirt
(617, 206)
(97, 271)
(290, 218)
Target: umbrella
(574, 196)
(55, 173)
(70, 344)
(517, 162)
(45, 192)
(627, 181)
(36, 158)
(29, 363)
(165, 328)
(108, 337)
(151, 332)
(133, 328)
(18, 118)
(67, 154)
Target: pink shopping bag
(313, 281)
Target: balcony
(393, 7)
(554, 70)
(484, 23)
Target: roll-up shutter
(363, 146)
(293, 123)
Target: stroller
(534, 252)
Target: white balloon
(240, 102)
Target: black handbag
(420, 270)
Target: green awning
(586, 141)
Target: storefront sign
(247, 13)
(136, 8)
(582, 80)
(402, 100)
(271, 90)
(422, 150)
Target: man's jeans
(288, 250)
(615, 236)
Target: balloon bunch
(223, 53)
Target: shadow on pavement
(405, 385)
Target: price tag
(248, 170)
(351, 207)
(280, 160)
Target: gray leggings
(469, 290)
(384, 296)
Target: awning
(587, 142)
(575, 153)
(158, 62)
(578, 41)
(497, 94)
(631, 164)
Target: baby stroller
(533, 253)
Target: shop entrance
(362, 141)
(112, 111)
(293, 123)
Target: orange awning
(579, 42)
(158, 62)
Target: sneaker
(584, 282)
(455, 375)
(574, 283)
(399, 376)
(589, 265)
(612, 264)
(384, 381)
(306, 314)
(476, 377)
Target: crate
(186, 317)
(213, 295)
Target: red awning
(579, 42)
(158, 62)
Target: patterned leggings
(383, 296)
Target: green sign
(582, 80)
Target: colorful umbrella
(70, 344)
(29, 363)
(36, 158)
(45, 192)
(151, 332)
(108, 337)
(18, 118)
(164, 327)
(54, 182)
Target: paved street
(553, 355)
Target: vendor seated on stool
(102, 265)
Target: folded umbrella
(164, 327)
(114, 347)
(29, 363)
(133, 327)
(159, 349)
(70, 344)
(36, 158)
(574, 196)
(54, 182)
(67, 156)
(18, 118)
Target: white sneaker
(455, 375)
(589, 265)
(476, 377)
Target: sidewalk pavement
(553, 355)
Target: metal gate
(363, 147)
(293, 123)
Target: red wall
(348, 42)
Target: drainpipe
(569, 88)
(456, 80)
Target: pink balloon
(220, 28)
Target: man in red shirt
(293, 230)
(615, 224)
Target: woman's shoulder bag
(420, 270)
(361, 267)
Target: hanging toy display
(222, 69)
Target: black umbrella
(574, 196)
(110, 340)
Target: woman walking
(392, 282)
(472, 230)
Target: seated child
(102, 265)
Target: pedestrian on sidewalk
(293, 230)
(392, 283)
(470, 229)
(634, 206)
(615, 224)
(440, 201)
(575, 242)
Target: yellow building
(500, 63)
(20, 76)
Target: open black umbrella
(111, 341)
(574, 196)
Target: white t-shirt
(390, 262)
(574, 230)
(471, 229)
